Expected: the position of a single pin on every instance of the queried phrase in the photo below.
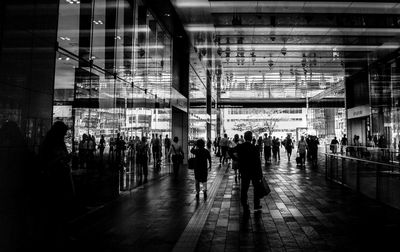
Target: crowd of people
(244, 153)
(140, 151)
(269, 147)
(356, 148)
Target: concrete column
(111, 24)
(27, 65)
(209, 103)
(218, 126)
(180, 81)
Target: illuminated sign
(357, 112)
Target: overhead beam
(274, 103)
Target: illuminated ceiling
(287, 49)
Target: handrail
(373, 179)
(361, 160)
(365, 146)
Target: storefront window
(113, 82)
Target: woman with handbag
(177, 156)
(200, 170)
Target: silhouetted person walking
(267, 148)
(202, 155)
(313, 149)
(102, 146)
(343, 142)
(334, 145)
(288, 146)
(224, 143)
(235, 162)
(167, 144)
(249, 168)
(301, 149)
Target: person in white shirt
(176, 154)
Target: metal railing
(380, 181)
(381, 155)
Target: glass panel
(112, 87)
(98, 48)
(68, 25)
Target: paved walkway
(304, 212)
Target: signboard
(62, 111)
(357, 112)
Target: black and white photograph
(199, 125)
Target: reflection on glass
(112, 87)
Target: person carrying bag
(250, 170)
(177, 156)
(262, 188)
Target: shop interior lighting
(385, 7)
(73, 1)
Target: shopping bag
(262, 188)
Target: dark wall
(27, 62)
(357, 89)
(180, 68)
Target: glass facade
(112, 81)
(384, 97)
(198, 117)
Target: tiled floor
(304, 212)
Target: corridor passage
(304, 212)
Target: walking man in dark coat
(250, 170)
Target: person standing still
(57, 178)
(201, 170)
(249, 168)
(177, 156)
(334, 145)
(142, 156)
